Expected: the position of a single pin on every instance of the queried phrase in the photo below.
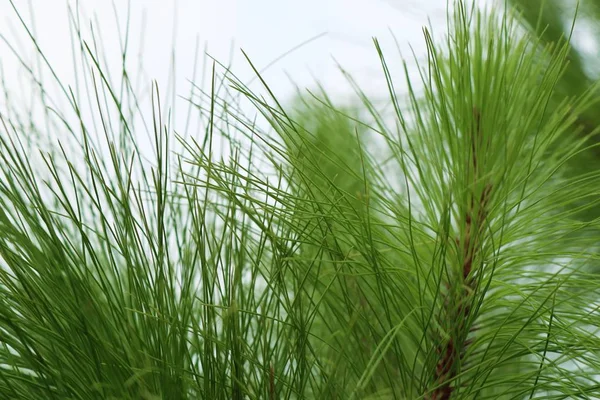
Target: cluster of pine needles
(445, 246)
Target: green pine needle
(447, 250)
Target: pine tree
(312, 251)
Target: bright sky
(333, 31)
(265, 29)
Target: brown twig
(271, 382)
(451, 349)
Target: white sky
(265, 29)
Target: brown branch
(455, 314)
(271, 382)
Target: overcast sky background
(334, 31)
(265, 29)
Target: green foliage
(553, 22)
(314, 252)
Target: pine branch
(456, 317)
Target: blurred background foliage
(578, 21)
(553, 21)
